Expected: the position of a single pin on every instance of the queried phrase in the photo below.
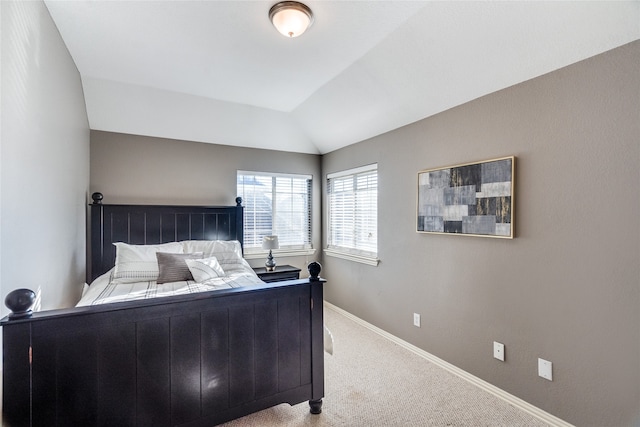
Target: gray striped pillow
(173, 268)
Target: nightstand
(282, 272)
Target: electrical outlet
(498, 350)
(545, 369)
(416, 319)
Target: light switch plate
(545, 369)
(498, 350)
(416, 319)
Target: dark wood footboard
(176, 361)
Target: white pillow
(227, 252)
(204, 269)
(138, 263)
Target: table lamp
(270, 242)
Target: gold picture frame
(470, 199)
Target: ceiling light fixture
(291, 18)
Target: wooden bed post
(94, 239)
(16, 373)
(317, 326)
(240, 220)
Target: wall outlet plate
(416, 319)
(545, 369)
(498, 350)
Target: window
(353, 214)
(276, 204)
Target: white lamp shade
(290, 18)
(270, 242)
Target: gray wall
(44, 160)
(567, 288)
(146, 170)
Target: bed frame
(192, 360)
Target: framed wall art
(475, 199)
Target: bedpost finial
(238, 201)
(314, 270)
(20, 301)
(97, 198)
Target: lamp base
(271, 263)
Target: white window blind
(353, 211)
(276, 204)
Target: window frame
(255, 251)
(356, 254)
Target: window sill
(279, 253)
(369, 260)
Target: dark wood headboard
(153, 224)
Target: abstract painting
(469, 199)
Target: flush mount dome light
(291, 18)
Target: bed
(190, 359)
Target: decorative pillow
(204, 269)
(138, 263)
(226, 251)
(173, 268)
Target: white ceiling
(218, 72)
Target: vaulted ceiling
(218, 72)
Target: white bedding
(103, 291)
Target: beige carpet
(371, 381)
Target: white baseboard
(482, 384)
